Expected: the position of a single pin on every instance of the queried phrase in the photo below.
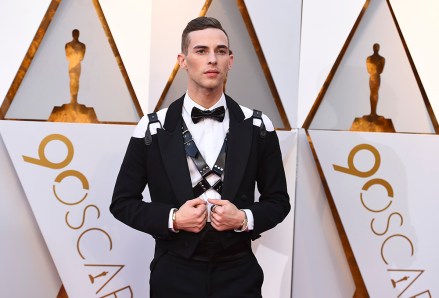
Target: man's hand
(225, 216)
(191, 216)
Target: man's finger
(217, 202)
(196, 201)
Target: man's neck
(205, 99)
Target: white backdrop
(324, 27)
(384, 187)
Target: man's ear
(182, 61)
(231, 61)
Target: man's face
(207, 60)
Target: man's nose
(212, 58)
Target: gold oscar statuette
(73, 111)
(374, 122)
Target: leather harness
(192, 151)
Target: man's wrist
(244, 225)
(172, 220)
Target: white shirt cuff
(170, 223)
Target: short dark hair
(197, 24)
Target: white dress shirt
(208, 135)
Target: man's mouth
(212, 71)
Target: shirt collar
(189, 103)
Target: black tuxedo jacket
(251, 160)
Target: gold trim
(283, 129)
(263, 62)
(47, 19)
(118, 57)
(334, 68)
(174, 72)
(205, 8)
(361, 290)
(100, 122)
(24, 120)
(167, 87)
(62, 293)
(415, 72)
(119, 123)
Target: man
(201, 168)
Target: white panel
(83, 238)
(325, 27)
(46, 83)
(419, 23)
(19, 21)
(320, 266)
(385, 190)
(24, 256)
(274, 249)
(130, 25)
(280, 42)
(348, 94)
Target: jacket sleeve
(127, 203)
(273, 205)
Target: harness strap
(153, 118)
(192, 151)
(262, 130)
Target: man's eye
(222, 52)
(200, 51)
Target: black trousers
(175, 277)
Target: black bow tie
(216, 114)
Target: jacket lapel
(173, 155)
(238, 149)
